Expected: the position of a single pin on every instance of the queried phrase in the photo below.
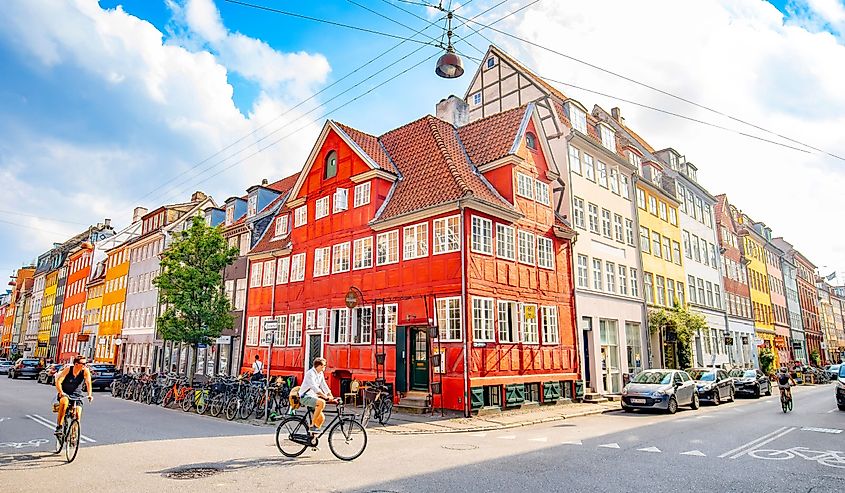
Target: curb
(494, 428)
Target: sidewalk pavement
(421, 424)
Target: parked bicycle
(347, 437)
(379, 407)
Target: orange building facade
(430, 257)
(114, 299)
(73, 308)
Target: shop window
(492, 396)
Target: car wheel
(841, 407)
(695, 403)
(757, 392)
(672, 408)
(717, 398)
(627, 409)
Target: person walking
(257, 369)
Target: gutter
(464, 311)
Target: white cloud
(738, 56)
(99, 109)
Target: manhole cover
(460, 446)
(193, 473)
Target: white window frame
(281, 226)
(339, 326)
(524, 186)
(541, 193)
(545, 253)
(550, 328)
(481, 235)
(583, 271)
(589, 167)
(574, 159)
(340, 257)
(269, 273)
(483, 323)
(255, 277)
(525, 247)
(294, 330)
(505, 242)
(297, 267)
(283, 270)
(340, 200)
(390, 239)
(361, 332)
(322, 261)
(362, 194)
(450, 325)
(389, 324)
(579, 213)
(362, 253)
(321, 207)
(529, 329)
(608, 137)
(601, 172)
(578, 118)
(251, 331)
(447, 235)
(300, 216)
(415, 241)
(507, 321)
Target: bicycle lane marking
(752, 442)
(47, 424)
(759, 444)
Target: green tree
(191, 287)
(767, 360)
(679, 324)
(815, 357)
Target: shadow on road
(242, 464)
(22, 462)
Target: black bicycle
(71, 430)
(380, 406)
(347, 438)
(786, 400)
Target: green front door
(419, 360)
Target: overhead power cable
(51, 219)
(649, 86)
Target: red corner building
(430, 256)
(73, 309)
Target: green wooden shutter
(476, 395)
(551, 391)
(514, 394)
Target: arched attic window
(330, 169)
(531, 141)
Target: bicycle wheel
(146, 394)
(72, 445)
(167, 400)
(347, 439)
(366, 414)
(116, 388)
(232, 408)
(290, 428)
(385, 412)
(215, 405)
(246, 408)
(188, 401)
(202, 402)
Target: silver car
(5, 365)
(660, 389)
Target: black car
(102, 375)
(751, 382)
(26, 367)
(713, 385)
(840, 389)
(48, 374)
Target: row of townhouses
(508, 250)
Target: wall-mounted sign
(353, 297)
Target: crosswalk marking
(573, 442)
(650, 449)
(696, 453)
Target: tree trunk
(193, 366)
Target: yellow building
(93, 307)
(47, 314)
(114, 298)
(758, 282)
(660, 243)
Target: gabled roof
(495, 50)
(369, 144)
(492, 138)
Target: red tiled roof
(491, 138)
(285, 184)
(370, 145)
(268, 243)
(434, 168)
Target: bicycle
(786, 400)
(347, 438)
(71, 430)
(380, 407)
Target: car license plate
(108, 374)
(637, 401)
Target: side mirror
(679, 384)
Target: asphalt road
(747, 446)
(27, 420)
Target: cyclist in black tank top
(68, 382)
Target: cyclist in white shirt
(257, 369)
(314, 392)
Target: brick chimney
(616, 113)
(265, 182)
(198, 196)
(138, 213)
(453, 110)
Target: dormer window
(491, 62)
(252, 205)
(330, 170)
(281, 226)
(531, 141)
(230, 214)
(578, 118)
(608, 138)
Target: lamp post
(271, 326)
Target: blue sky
(108, 105)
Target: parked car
(5, 365)
(713, 385)
(751, 382)
(833, 371)
(26, 367)
(840, 389)
(48, 375)
(102, 375)
(660, 389)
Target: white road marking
(479, 434)
(752, 442)
(650, 449)
(822, 430)
(540, 439)
(47, 424)
(573, 442)
(696, 453)
(610, 445)
(704, 416)
(508, 437)
(832, 411)
(764, 442)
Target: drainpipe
(464, 311)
